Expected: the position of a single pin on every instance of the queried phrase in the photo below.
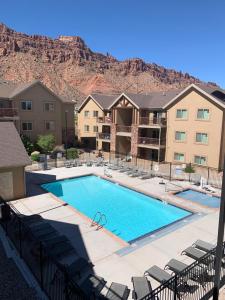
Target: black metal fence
(51, 275)
(194, 283)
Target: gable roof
(102, 100)
(9, 89)
(12, 151)
(215, 94)
(154, 100)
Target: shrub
(46, 142)
(189, 169)
(28, 145)
(72, 153)
(35, 155)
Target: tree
(72, 153)
(28, 145)
(46, 142)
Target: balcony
(147, 142)
(145, 121)
(123, 130)
(104, 120)
(10, 113)
(103, 136)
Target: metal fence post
(175, 287)
(208, 175)
(170, 171)
(41, 266)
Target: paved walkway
(106, 251)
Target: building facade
(36, 110)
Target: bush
(28, 145)
(189, 169)
(35, 155)
(46, 142)
(72, 153)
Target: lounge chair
(41, 230)
(142, 287)
(132, 171)
(68, 164)
(204, 246)
(125, 169)
(117, 291)
(29, 220)
(193, 253)
(138, 174)
(158, 274)
(93, 285)
(148, 175)
(78, 266)
(63, 250)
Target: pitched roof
(102, 100)
(215, 94)
(9, 89)
(154, 100)
(12, 151)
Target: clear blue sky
(187, 35)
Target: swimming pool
(201, 198)
(130, 215)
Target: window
(180, 136)
(201, 138)
(49, 106)
(200, 160)
(178, 156)
(181, 114)
(86, 128)
(95, 128)
(26, 105)
(203, 114)
(95, 113)
(86, 113)
(27, 126)
(50, 125)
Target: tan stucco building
(13, 159)
(178, 126)
(36, 110)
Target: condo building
(36, 110)
(178, 126)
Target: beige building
(13, 159)
(94, 121)
(36, 110)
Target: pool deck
(114, 259)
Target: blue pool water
(130, 214)
(201, 198)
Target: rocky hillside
(70, 68)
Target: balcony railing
(123, 128)
(107, 120)
(150, 141)
(8, 112)
(103, 136)
(152, 121)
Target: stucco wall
(12, 183)
(192, 102)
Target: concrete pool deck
(105, 251)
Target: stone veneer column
(134, 140)
(113, 138)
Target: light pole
(66, 133)
(219, 245)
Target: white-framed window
(86, 128)
(50, 125)
(95, 128)
(178, 156)
(180, 136)
(203, 114)
(86, 113)
(26, 105)
(200, 160)
(27, 126)
(48, 106)
(201, 137)
(95, 114)
(181, 114)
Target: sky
(185, 35)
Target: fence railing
(107, 120)
(51, 276)
(152, 121)
(195, 282)
(8, 112)
(123, 128)
(150, 141)
(103, 136)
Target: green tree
(72, 153)
(28, 145)
(46, 142)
